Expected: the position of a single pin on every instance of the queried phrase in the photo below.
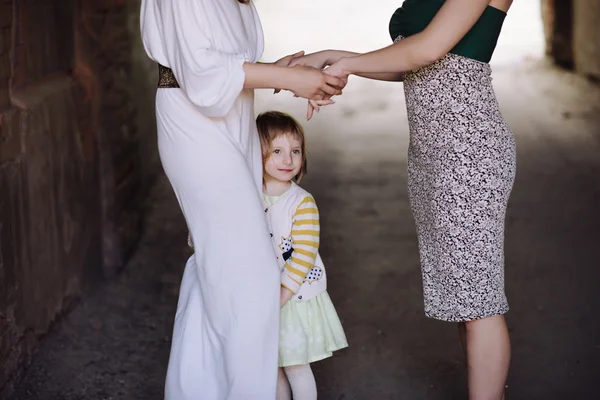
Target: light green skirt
(309, 331)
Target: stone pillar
(557, 17)
(586, 37)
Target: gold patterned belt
(166, 79)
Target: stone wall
(76, 158)
(572, 30)
(557, 16)
(586, 37)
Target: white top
(205, 43)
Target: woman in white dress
(225, 336)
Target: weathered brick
(4, 95)
(70, 153)
(49, 206)
(6, 11)
(10, 140)
(45, 42)
(10, 241)
(105, 43)
(5, 39)
(5, 68)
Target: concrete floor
(115, 343)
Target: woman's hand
(322, 59)
(318, 60)
(312, 84)
(285, 62)
(323, 95)
(338, 70)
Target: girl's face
(284, 159)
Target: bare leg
(488, 357)
(302, 382)
(283, 386)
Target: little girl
(310, 329)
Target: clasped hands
(319, 78)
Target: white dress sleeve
(177, 34)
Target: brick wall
(72, 140)
(6, 11)
(114, 70)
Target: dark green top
(479, 43)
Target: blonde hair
(271, 125)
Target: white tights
(297, 380)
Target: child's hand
(284, 296)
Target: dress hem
(468, 319)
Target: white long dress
(226, 328)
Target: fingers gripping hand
(316, 60)
(311, 83)
(335, 86)
(286, 62)
(338, 71)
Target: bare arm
(265, 76)
(383, 76)
(454, 19)
(305, 82)
(335, 55)
(324, 58)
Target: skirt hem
(445, 318)
(312, 359)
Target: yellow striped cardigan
(294, 227)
